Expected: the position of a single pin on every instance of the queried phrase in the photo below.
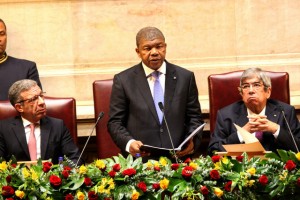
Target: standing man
(257, 114)
(135, 117)
(13, 69)
(32, 134)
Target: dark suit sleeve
(193, 112)
(118, 115)
(34, 74)
(224, 133)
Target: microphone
(101, 114)
(289, 128)
(161, 107)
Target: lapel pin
(174, 77)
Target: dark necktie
(259, 135)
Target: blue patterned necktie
(158, 94)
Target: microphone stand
(101, 114)
(289, 128)
(162, 110)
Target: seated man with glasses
(257, 114)
(33, 134)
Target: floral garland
(277, 177)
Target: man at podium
(268, 119)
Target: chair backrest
(223, 90)
(106, 147)
(59, 107)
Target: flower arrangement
(216, 177)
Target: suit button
(161, 130)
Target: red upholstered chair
(106, 147)
(223, 90)
(58, 107)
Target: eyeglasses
(34, 99)
(255, 86)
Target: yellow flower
(193, 165)
(111, 184)
(80, 195)
(225, 160)
(251, 171)
(135, 195)
(298, 156)
(34, 175)
(20, 194)
(101, 189)
(163, 161)
(250, 183)
(103, 181)
(3, 166)
(156, 164)
(218, 192)
(25, 172)
(100, 164)
(164, 184)
(149, 165)
(82, 169)
(282, 176)
(217, 166)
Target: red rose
(14, 165)
(204, 190)
(8, 191)
(116, 167)
(112, 174)
(65, 174)
(92, 195)
(8, 179)
(156, 168)
(9, 198)
(129, 172)
(55, 181)
(263, 180)
(155, 186)
(214, 174)
(142, 186)
(67, 168)
(290, 165)
(227, 186)
(47, 166)
(69, 197)
(188, 160)
(87, 181)
(240, 158)
(298, 182)
(187, 172)
(215, 158)
(175, 166)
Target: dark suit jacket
(56, 140)
(14, 69)
(133, 114)
(226, 133)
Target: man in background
(257, 114)
(13, 69)
(135, 117)
(32, 134)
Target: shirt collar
(27, 123)
(162, 69)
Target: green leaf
(283, 155)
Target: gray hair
(259, 73)
(14, 92)
(148, 33)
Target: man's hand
(188, 150)
(134, 149)
(260, 123)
